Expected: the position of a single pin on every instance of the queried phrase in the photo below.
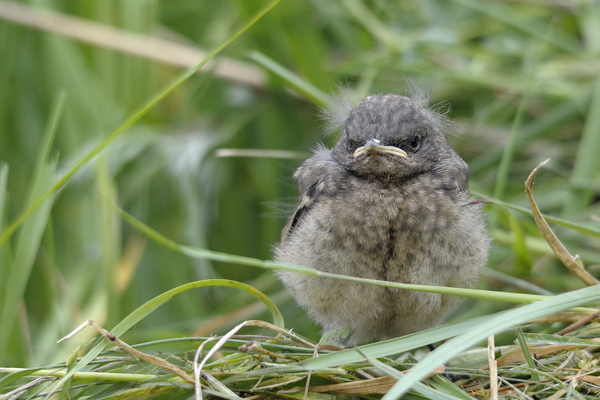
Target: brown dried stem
(143, 356)
(572, 263)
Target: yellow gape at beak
(374, 147)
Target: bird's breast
(377, 232)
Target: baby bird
(391, 202)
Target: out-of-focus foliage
(521, 77)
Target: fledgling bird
(390, 201)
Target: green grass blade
(586, 230)
(545, 338)
(292, 80)
(254, 262)
(363, 15)
(501, 14)
(3, 202)
(587, 162)
(89, 376)
(443, 384)
(521, 253)
(153, 304)
(556, 116)
(30, 236)
(65, 394)
(143, 110)
(48, 139)
(150, 306)
(14, 374)
(509, 149)
(525, 349)
(516, 282)
(513, 138)
(3, 190)
(502, 321)
(27, 246)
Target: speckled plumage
(372, 212)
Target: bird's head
(391, 137)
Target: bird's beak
(374, 147)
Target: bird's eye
(415, 142)
(353, 145)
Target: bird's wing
(461, 175)
(314, 178)
(454, 172)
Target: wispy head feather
(338, 109)
(438, 112)
(341, 103)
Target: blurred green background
(521, 78)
